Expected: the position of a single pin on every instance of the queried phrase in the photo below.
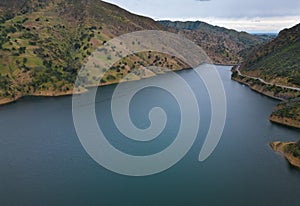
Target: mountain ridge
(277, 60)
(224, 46)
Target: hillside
(44, 43)
(223, 46)
(277, 61)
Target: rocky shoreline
(5, 101)
(285, 121)
(270, 91)
(148, 74)
(256, 88)
(282, 148)
(286, 149)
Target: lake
(43, 163)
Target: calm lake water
(43, 163)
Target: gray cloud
(203, 9)
(217, 8)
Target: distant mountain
(277, 61)
(224, 46)
(266, 36)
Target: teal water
(43, 163)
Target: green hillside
(44, 43)
(277, 61)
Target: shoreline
(6, 101)
(284, 121)
(256, 89)
(261, 88)
(280, 147)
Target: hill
(274, 69)
(223, 46)
(277, 61)
(43, 43)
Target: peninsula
(290, 150)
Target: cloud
(216, 9)
(265, 24)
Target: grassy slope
(44, 43)
(278, 62)
(223, 45)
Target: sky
(253, 16)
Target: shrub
(111, 78)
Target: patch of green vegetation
(290, 109)
(293, 149)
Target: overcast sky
(246, 15)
